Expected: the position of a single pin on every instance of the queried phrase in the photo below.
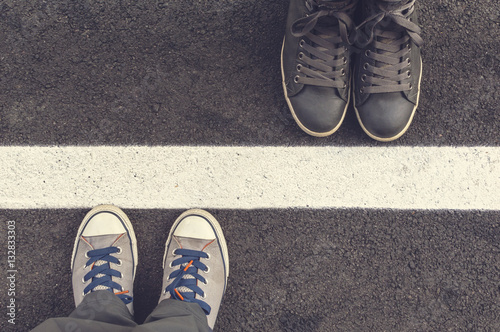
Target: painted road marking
(180, 177)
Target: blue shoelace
(106, 271)
(192, 260)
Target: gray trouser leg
(103, 311)
(99, 311)
(175, 316)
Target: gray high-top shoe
(315, 63)
(388, 69)
(105, 255)
(196, 262)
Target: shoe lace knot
(397, 12)
(389, 32)
(184, 286)
(102, 273)
(332, 9)
(329, 31)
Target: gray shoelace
(389, 32)
(327, 52)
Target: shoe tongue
(326, 27)
(334, 4)
(98, 242)
(390, 5)
(184, 289)
(388, 25)
(192, 244)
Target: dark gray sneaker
(315, 63)
(196, 262)
(388, 69)
(105, 255)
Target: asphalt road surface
(191, 73)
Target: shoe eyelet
(365, 66)
(170, 265)
(83, 280)
(408, 61)
(208, 258)
(344, 86)
(173, 252)
(302, 42)
(408, 46)
(300, 55)
(367, 53)
(120, 250)
(408, 73)
(85, 266)
(342, 72)
(119, 263)
(87, 254)
(362, 90)
(344, 59)
(207, 270)
(121, 276)
(299, 67)
(83, 294)
(296, 79)
(410, 86)
(363, 78)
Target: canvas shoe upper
(388, 69)
(105, 255)
(196, 262)
(315, 63)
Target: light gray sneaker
(105, 255)
(196, 262)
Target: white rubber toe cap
(195, 227)
(103, 223)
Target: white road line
(250, 177)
